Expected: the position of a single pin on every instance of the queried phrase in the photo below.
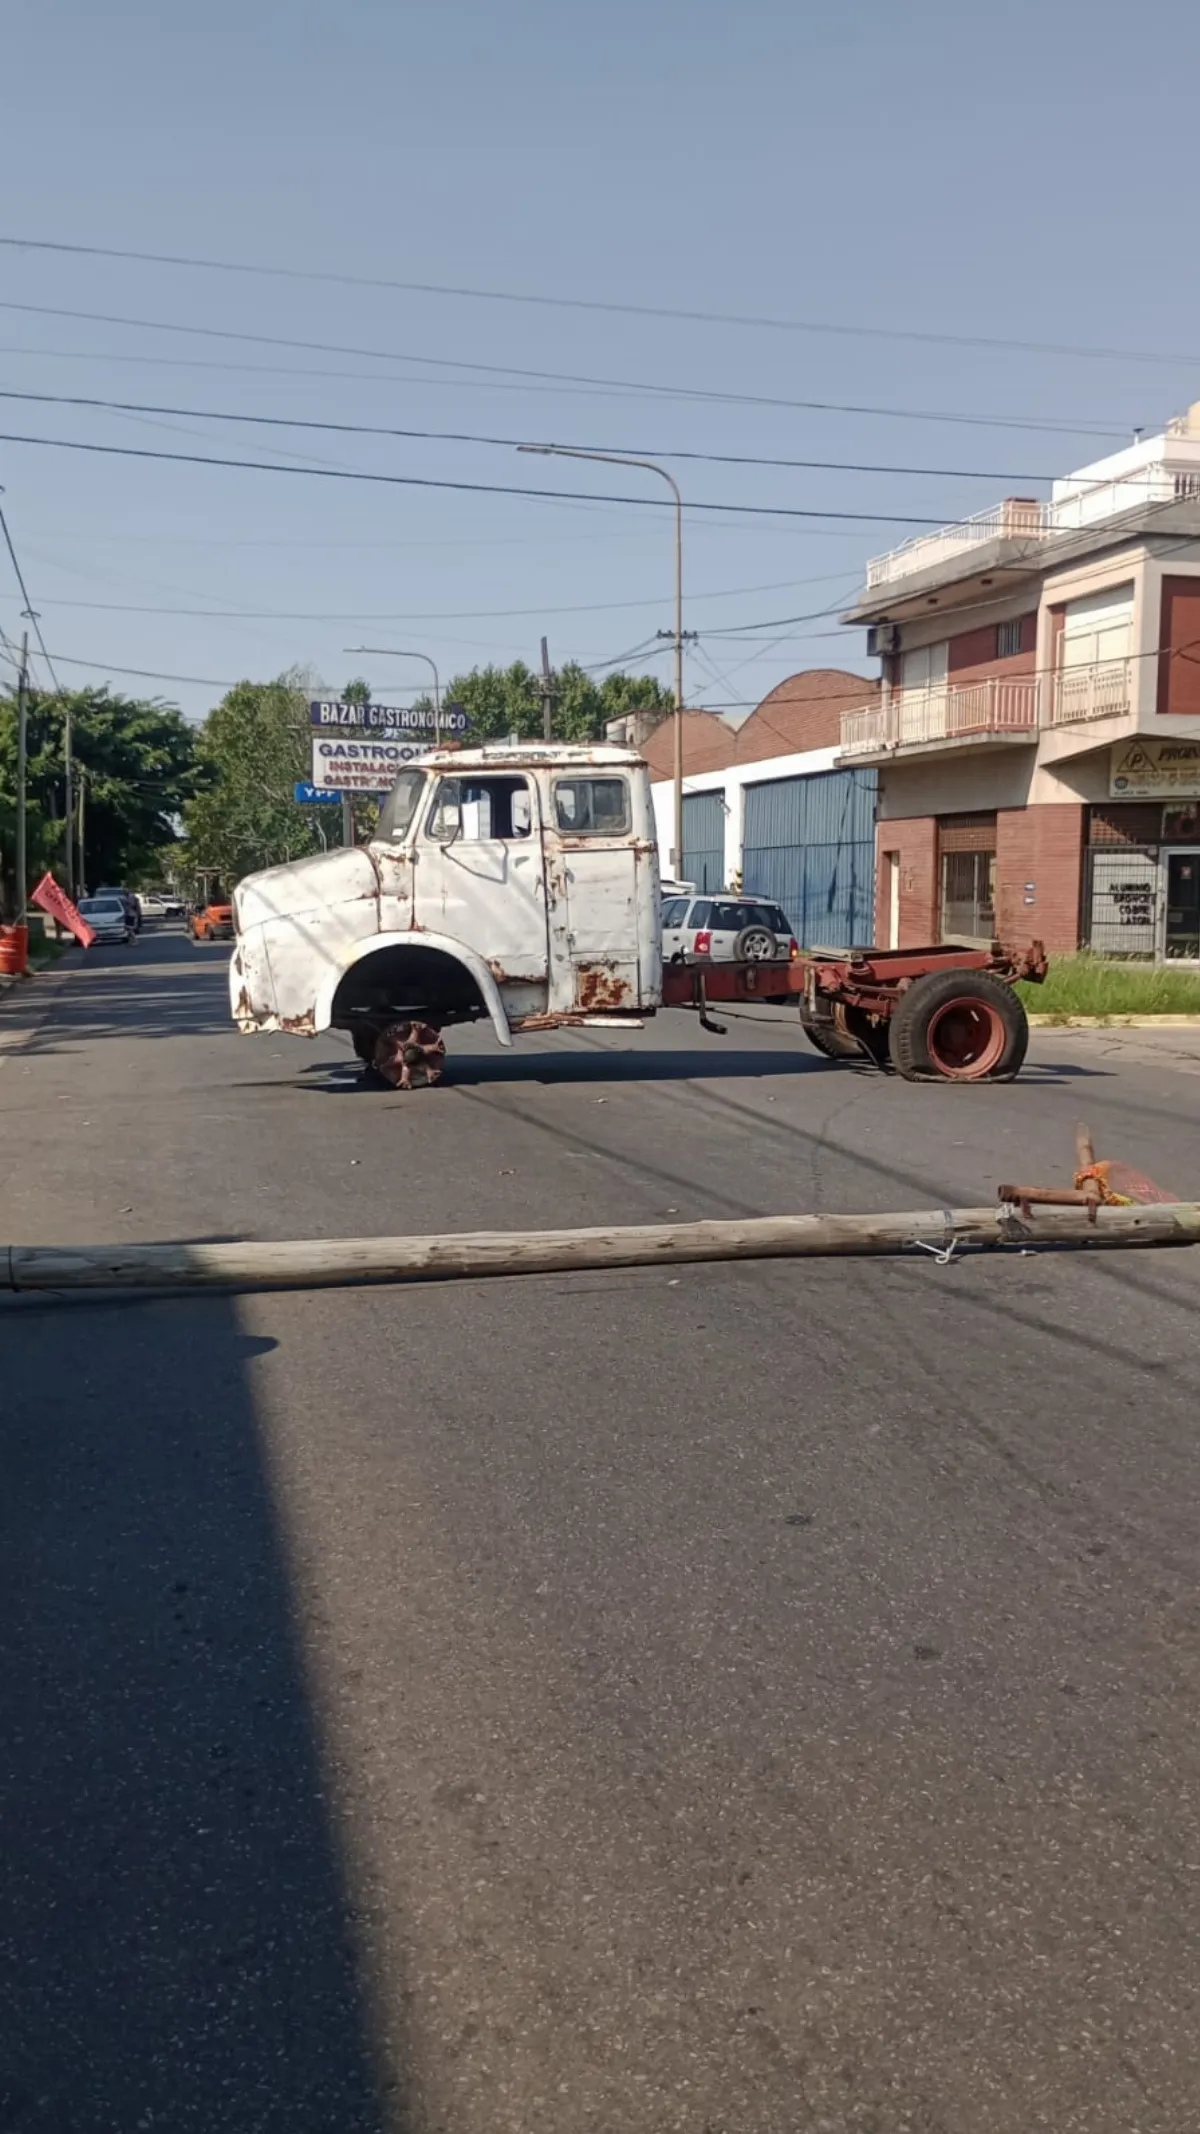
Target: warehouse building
(767, 808)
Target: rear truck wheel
(755, 944)
(364, 1037)
(958, 1026)
(828, 1034)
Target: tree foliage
(252, 751)
(135, 759)
(508, 700)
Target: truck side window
(478, 810)
(592, 807)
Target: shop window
(1122, 900)
(968, 897)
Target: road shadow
(130, 1003)
(176, 1939)
(345, 1077)
(480, 1070)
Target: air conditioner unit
(882, 637)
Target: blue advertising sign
(401, 718)
(310, 796)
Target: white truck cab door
(603, 875)
(479, 876)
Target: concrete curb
(1114, 1022)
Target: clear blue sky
(1028, 173)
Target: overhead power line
(583, 380)
(27, 610)
(475, 437)
(593, 607)
(625, 308)
(423, 481)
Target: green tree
(135, 760)
(508, 700)
(252, 750)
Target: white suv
(725, 929)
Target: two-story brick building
(1037, 737)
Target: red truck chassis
(940, 1014)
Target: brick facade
(1042, 845)
(914, 837)
(973, 657)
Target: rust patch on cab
(598, 989)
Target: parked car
(725, 929)
(107, 917)
(158, 904)
(133, 910)
(211, 922)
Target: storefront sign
(360, 763)
(1154, 770)
(401, 718)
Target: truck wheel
(958, 1026)
(364, 1038)
(824, 1036)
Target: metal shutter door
(810, 846)
(704, 840)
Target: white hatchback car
(725, 929)
(107, 918)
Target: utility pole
(347, 819)
(81, 877)
(547, 695)
(22, 767)
(69, 798)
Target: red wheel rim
(966, 1039)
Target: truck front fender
(470, 961)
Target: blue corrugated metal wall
(809, 843)
(704, 839)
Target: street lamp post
(623, 459)
(391, 652)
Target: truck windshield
(396, 814)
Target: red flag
(59, 905)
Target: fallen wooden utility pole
(319, 1262)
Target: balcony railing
(1016, 519)
(1101, 691)
(919, 716)
(1161, 470)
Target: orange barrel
(14, 951)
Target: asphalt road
(729, 1700)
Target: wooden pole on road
(317, 1263)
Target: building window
(1181, 825)
(1008, 639)
(968, 913)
